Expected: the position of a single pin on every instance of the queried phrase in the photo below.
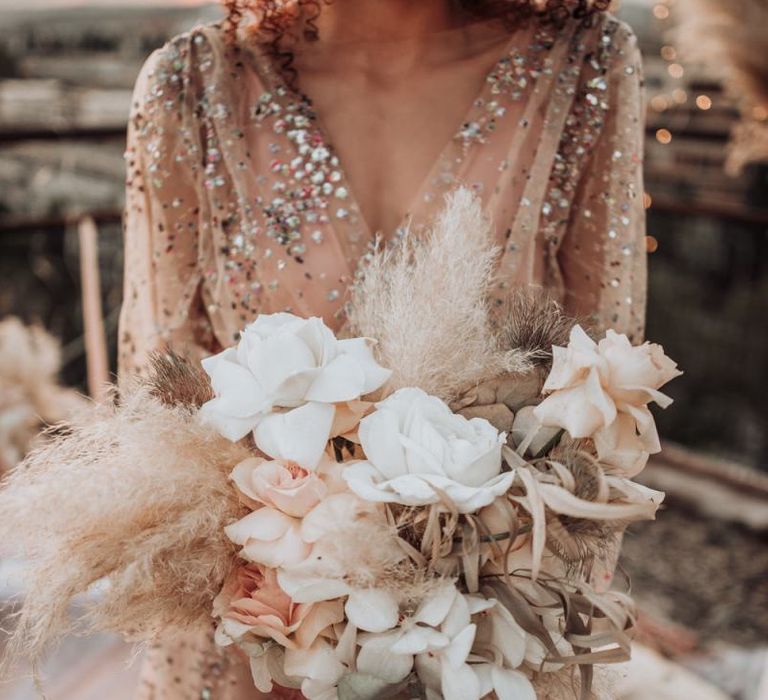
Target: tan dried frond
(426, 302)
(532, 321)
(580, 542)
(137, 494)
(177, 381)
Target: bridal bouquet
(425, 507)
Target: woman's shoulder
(611, 34)
(196, 58)
(187, 52)
(605, 43)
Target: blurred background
(700, 573)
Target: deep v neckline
(467, 132)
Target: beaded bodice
(238, 204)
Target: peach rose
(282, 485)
(252, 603)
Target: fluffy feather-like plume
(176, 381)
(731, 39)
(533, 322)
(147, 502)
(425, 301)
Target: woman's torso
(239, 204)
(276, 221)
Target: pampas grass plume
(137, 494)
(426, 302)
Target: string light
(678, 96)
(704, 102)
(675, 70)
(668, 53)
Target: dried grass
(146, 498)
(425, 301)
(532, 321)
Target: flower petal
(372, 609)
(581, 409)
(377, 659)
(340, 380)
(459, 682)
(379, 433)
(299, 435)
(362, 350)
(304, 588)
(511, 685)
(240, 394)
(320, 617)
(420, 640)
(266, 524)
(215, 414)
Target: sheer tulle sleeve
(162, 303)
(603, 255)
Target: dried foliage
(149, 520)
(176, 381)
(532, 321)
(425, 301)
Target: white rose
(418, 449)
(284, 362)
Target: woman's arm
(162, 304)
(603, 254)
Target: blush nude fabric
(239, 204)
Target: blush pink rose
(252, 603)
(279, 484)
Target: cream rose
(283, 361)
(418, 449)
(601, 391)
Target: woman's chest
(391, 132)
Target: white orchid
(602, 391)
(418, 451)
(453, 672)
(507, 684)
(285, 362)
(389, 655)
(323, 665)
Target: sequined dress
(237, 204)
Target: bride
(266, 152)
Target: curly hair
(277, 16)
